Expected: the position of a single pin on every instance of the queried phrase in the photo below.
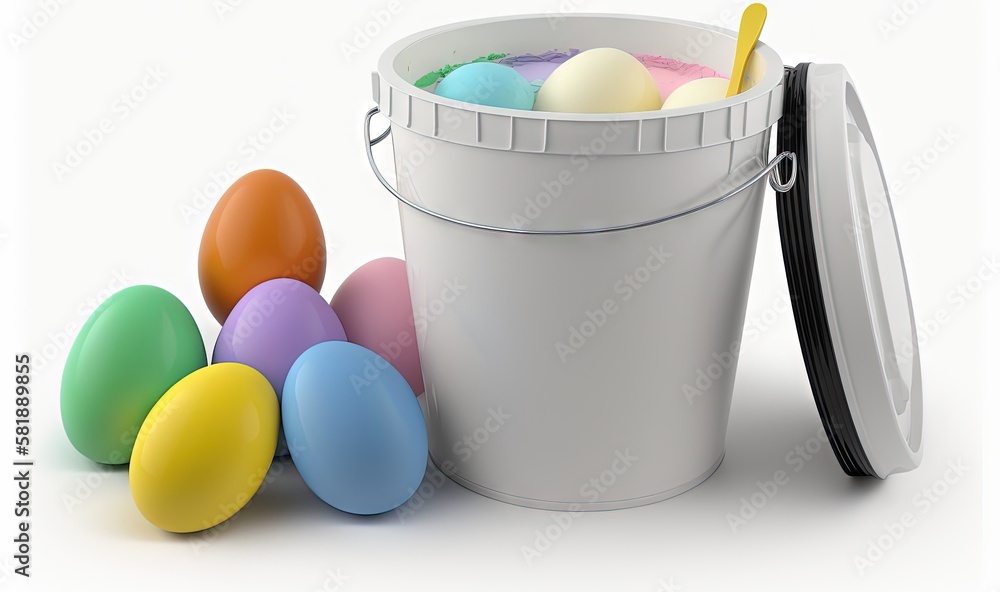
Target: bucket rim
(769, 171)
(773, 76)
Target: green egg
(131, 350)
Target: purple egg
(272, 325)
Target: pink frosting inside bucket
(669, 73)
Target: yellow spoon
(750, 27)
(708, 90)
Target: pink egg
(374, 306)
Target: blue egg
(488, 83)
(354, 428)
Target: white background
(64, 241)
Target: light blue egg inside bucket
(489, 84)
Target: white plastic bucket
(569, 370)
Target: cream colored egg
(602, 80)
(697, 92)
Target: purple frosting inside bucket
(538, 66)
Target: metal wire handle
(769, 171)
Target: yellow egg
(205, 448)
(697, 92)
(602, 80)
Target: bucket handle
(769, 171)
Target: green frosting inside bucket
(432, 77)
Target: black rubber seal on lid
(802, 272)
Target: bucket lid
(846, 277)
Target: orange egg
(264, 227)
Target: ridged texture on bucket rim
(649, 132)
